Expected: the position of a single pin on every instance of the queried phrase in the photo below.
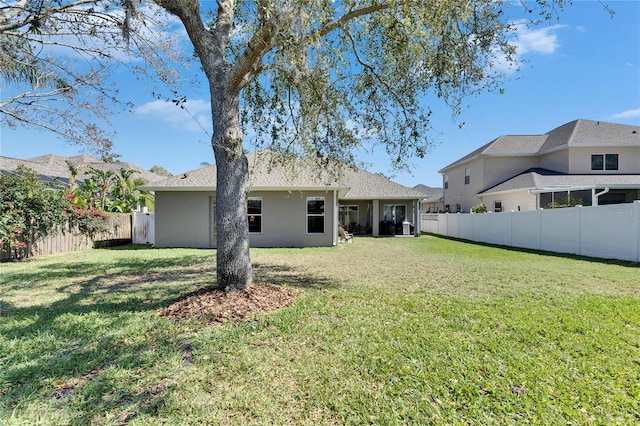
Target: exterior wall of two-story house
(586, 162)
(464, 181)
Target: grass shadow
(93, 318)
(605, 261)
(279, 274)
(72, 347)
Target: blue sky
(585, 65)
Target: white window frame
(255, 214)
(308, 215)
(445, 179)
(467, 176)
(497, 209)
(604, 161)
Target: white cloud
(542, 41)
(631, 113)
(194, 116)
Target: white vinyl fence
(611, 231)
(143, 228)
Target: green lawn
(385, 331)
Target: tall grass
(385, 331)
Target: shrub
(563, 202)
(31, 210)
(480, 208)
(89, 222)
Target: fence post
(579, 230)
(540, 227)
(636, 203)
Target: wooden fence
(118, 233)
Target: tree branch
(349, 16)
(31, 17)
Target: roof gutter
(250, 189)
(560, 188)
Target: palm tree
(104, 180)
(127, 194)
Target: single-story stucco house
(286, 207)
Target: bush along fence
(117, 231)
(610, 231)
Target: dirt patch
(216, 305)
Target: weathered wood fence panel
(118, 233)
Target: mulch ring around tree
(216, 305)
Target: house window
(446, 181)
(315, 215)
(254, 214)
(497, 206)
(467, 176)
(604, 161)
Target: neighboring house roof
(54, 167)
(543, 179)
(265, 174)
(365, 185)
(430, 193)
(576, 133)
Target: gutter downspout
(336, 207)
(595, 196)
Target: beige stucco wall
(461, 193)
(557, 161)
(511, 201)
(485, 173)
(183, 219)
(628, 159)
(284, 220)
(186, 219)
(499, 169)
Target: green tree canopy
(323, 78)
(159, 170)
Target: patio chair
(344, 236)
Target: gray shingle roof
(548, 179)
(429, 192)
(54, 167)
(266, 172)
(365, 185)
(575, 133)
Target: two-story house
(582, 162)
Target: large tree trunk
(233, 259)
(225, 82)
